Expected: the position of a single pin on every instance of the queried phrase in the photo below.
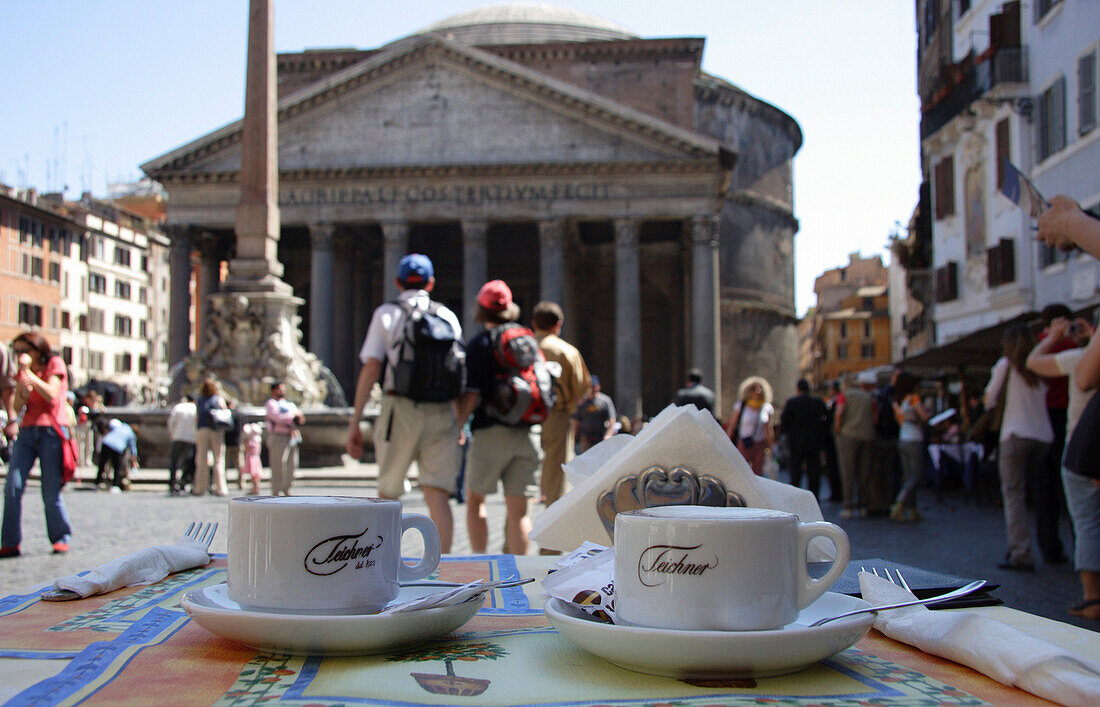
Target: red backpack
(524, 390)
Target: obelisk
(254, 337)
(256, 267)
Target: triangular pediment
(432, 101)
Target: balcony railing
(1007, 65)
(943, 110)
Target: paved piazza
(957, 536)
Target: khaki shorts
(408, 431)
(508, 455)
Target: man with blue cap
(418, 419)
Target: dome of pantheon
(527, 23)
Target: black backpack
(524, 391)
(431, 361)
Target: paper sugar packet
(584, 579)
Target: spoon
(960, 592)
(498, 584)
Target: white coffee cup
(708, 568)
(322, 554)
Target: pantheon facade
(544, 146)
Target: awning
(978, 350)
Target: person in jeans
(1048, 359)
(1025, 437)
(41, 385)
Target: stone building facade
(848, 330)
(544, 146)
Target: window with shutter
(1052, 119)
(1059, 112)
(1001, 263)
(1086, 93)
(945, 188)
(947, 282)
(1003, 150)
(1042, 7)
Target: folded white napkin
(143, 567)
(680, 436)
(991, 647)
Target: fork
(198, 531)
(201, 532)
(961, 591)
(900, 580)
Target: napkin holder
(681, 457)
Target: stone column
(475, 268)
(179, 303)
(552, 260)
(209, 282)
(395, 243)
(346, 279)
(705, 324)
(628, 321)
(321, 291)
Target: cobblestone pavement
(958, 535)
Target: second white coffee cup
(706, 568)
(322, 554)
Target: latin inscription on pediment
(459, 195)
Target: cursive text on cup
(334, 554)
(666, 560)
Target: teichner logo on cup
(334, 554)
(667, 559)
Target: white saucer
(717, 654)
(325, 634)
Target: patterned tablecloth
(137, 646)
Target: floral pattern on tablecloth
(265, 678)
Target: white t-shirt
(1078, 399)
(1025, 406)
(385, 327)
(754, 422)
(182, 420)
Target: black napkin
(924, 583)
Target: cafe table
(138, 646)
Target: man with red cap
(407, 429)
(500, 453)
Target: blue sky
(93, 89)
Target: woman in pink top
(41, 386)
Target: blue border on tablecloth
(89, 665)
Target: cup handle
(426, 527)
(809, 589)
